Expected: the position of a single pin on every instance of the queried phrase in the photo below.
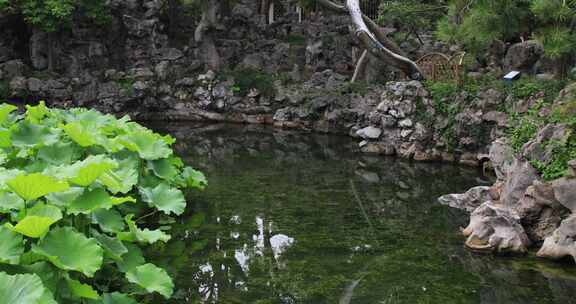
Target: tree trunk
(203, 34)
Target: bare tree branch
(374, 39)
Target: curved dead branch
(374, 39)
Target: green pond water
(303, 218)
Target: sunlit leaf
(152, 278)
(82, 136)
(164, 198)
(5, 138)
(148, 145)
(70, 250)
(5, 110)
(20, 288)
(33, 186)
(37, 221)
(36, 113)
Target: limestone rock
(562, 242)
(501, 156)
(494, 227)
(565, 192)
(518, 178)
(369, 133)
(522, 56)
(468, 201)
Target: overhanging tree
(374, 40)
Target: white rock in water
(369, 133)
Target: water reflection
(303, 219)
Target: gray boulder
(562, 242)
(522, 56)
(468, 201)
(519, 177)
(369, 133)
(496, 228)
(565, 192)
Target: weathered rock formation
(522, 210)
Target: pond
(303, 218)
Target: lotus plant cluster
(74, 185)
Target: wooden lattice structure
(439, 67)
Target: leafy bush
(247, 79)
(72, 184)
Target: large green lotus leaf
(70, 250)
(33, 186)
(113, 247)
(164, 168)
(47, 298)
(85, 172)
(10, 201)
(48, 273)
(83, 291)
(44, 210)
(59, 153)
(141, 235)
(20, 289)
(152, 278)
(11, 246)
(119, 181)
(5, 110)
(38, 220)
(36, 113)
(164, 198)
(8, 174)
(90, 200)
(109, 220)
(91, 169)
(64, 198)
(125, 177)
(132, 259)
(33, 226)
(26, 134)
(95, 199)
(194, 178)
(114, 298)
(5, 138)
(80, 134)
(147, 144)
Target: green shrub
(74, 185)
(246, 79)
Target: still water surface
(302, 218)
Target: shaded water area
(303, 218)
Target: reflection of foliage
(333, 243)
